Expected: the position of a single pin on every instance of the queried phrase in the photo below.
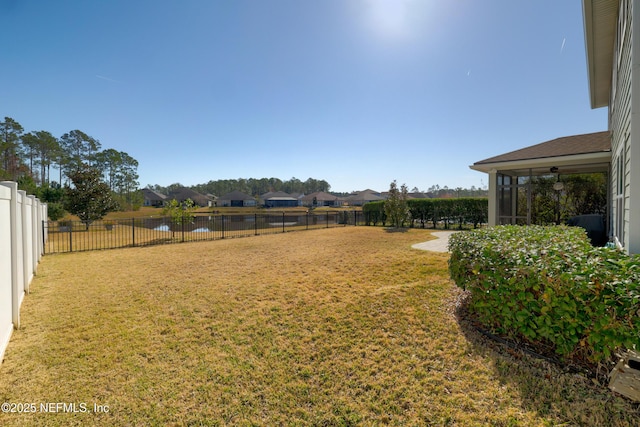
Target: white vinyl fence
(21, 247)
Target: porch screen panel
(505, 200)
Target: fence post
(15, 264)
(133, 231)
(35, 231)
(44, 248)
(71, 236)
(327, 219)
(40, 231)
(222, 218)
(308, 213)
(182, 227)
(283, 222)
(255, 223)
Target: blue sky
(356, 92)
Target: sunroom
(518, 179)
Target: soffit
(584, 163)
(600, 23)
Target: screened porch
(552, 182)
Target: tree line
(437, 192)
(28, 157)
(259, 186)
(252, 186)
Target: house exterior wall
(237, 203)
(153, 203)
(624, 124)
(632, 161)
(620, 125)
(281, 203)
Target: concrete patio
(439, 244)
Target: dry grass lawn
(335, 327)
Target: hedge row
(549, 286)
(461, 210)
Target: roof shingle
(566, 146)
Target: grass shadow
(396, 229)
(546, 386)
(158, 241)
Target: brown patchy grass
(346, 326)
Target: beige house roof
(235, 195)
(277, 195)
(153, 196)
(587, 152)
(320, 196)
(600, 19)
(364, 197)
(183, 193)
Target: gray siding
(620, 125)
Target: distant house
(279, 199)
(362, 197)
(237, 199)
(213, 198)
(183, 193)
(320, 198)
(152, 198)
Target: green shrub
(374, 213)
(461, 210)
(472, 210)
(550, 286)
(55, 211)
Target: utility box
(625, 376)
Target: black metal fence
(74, 236)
